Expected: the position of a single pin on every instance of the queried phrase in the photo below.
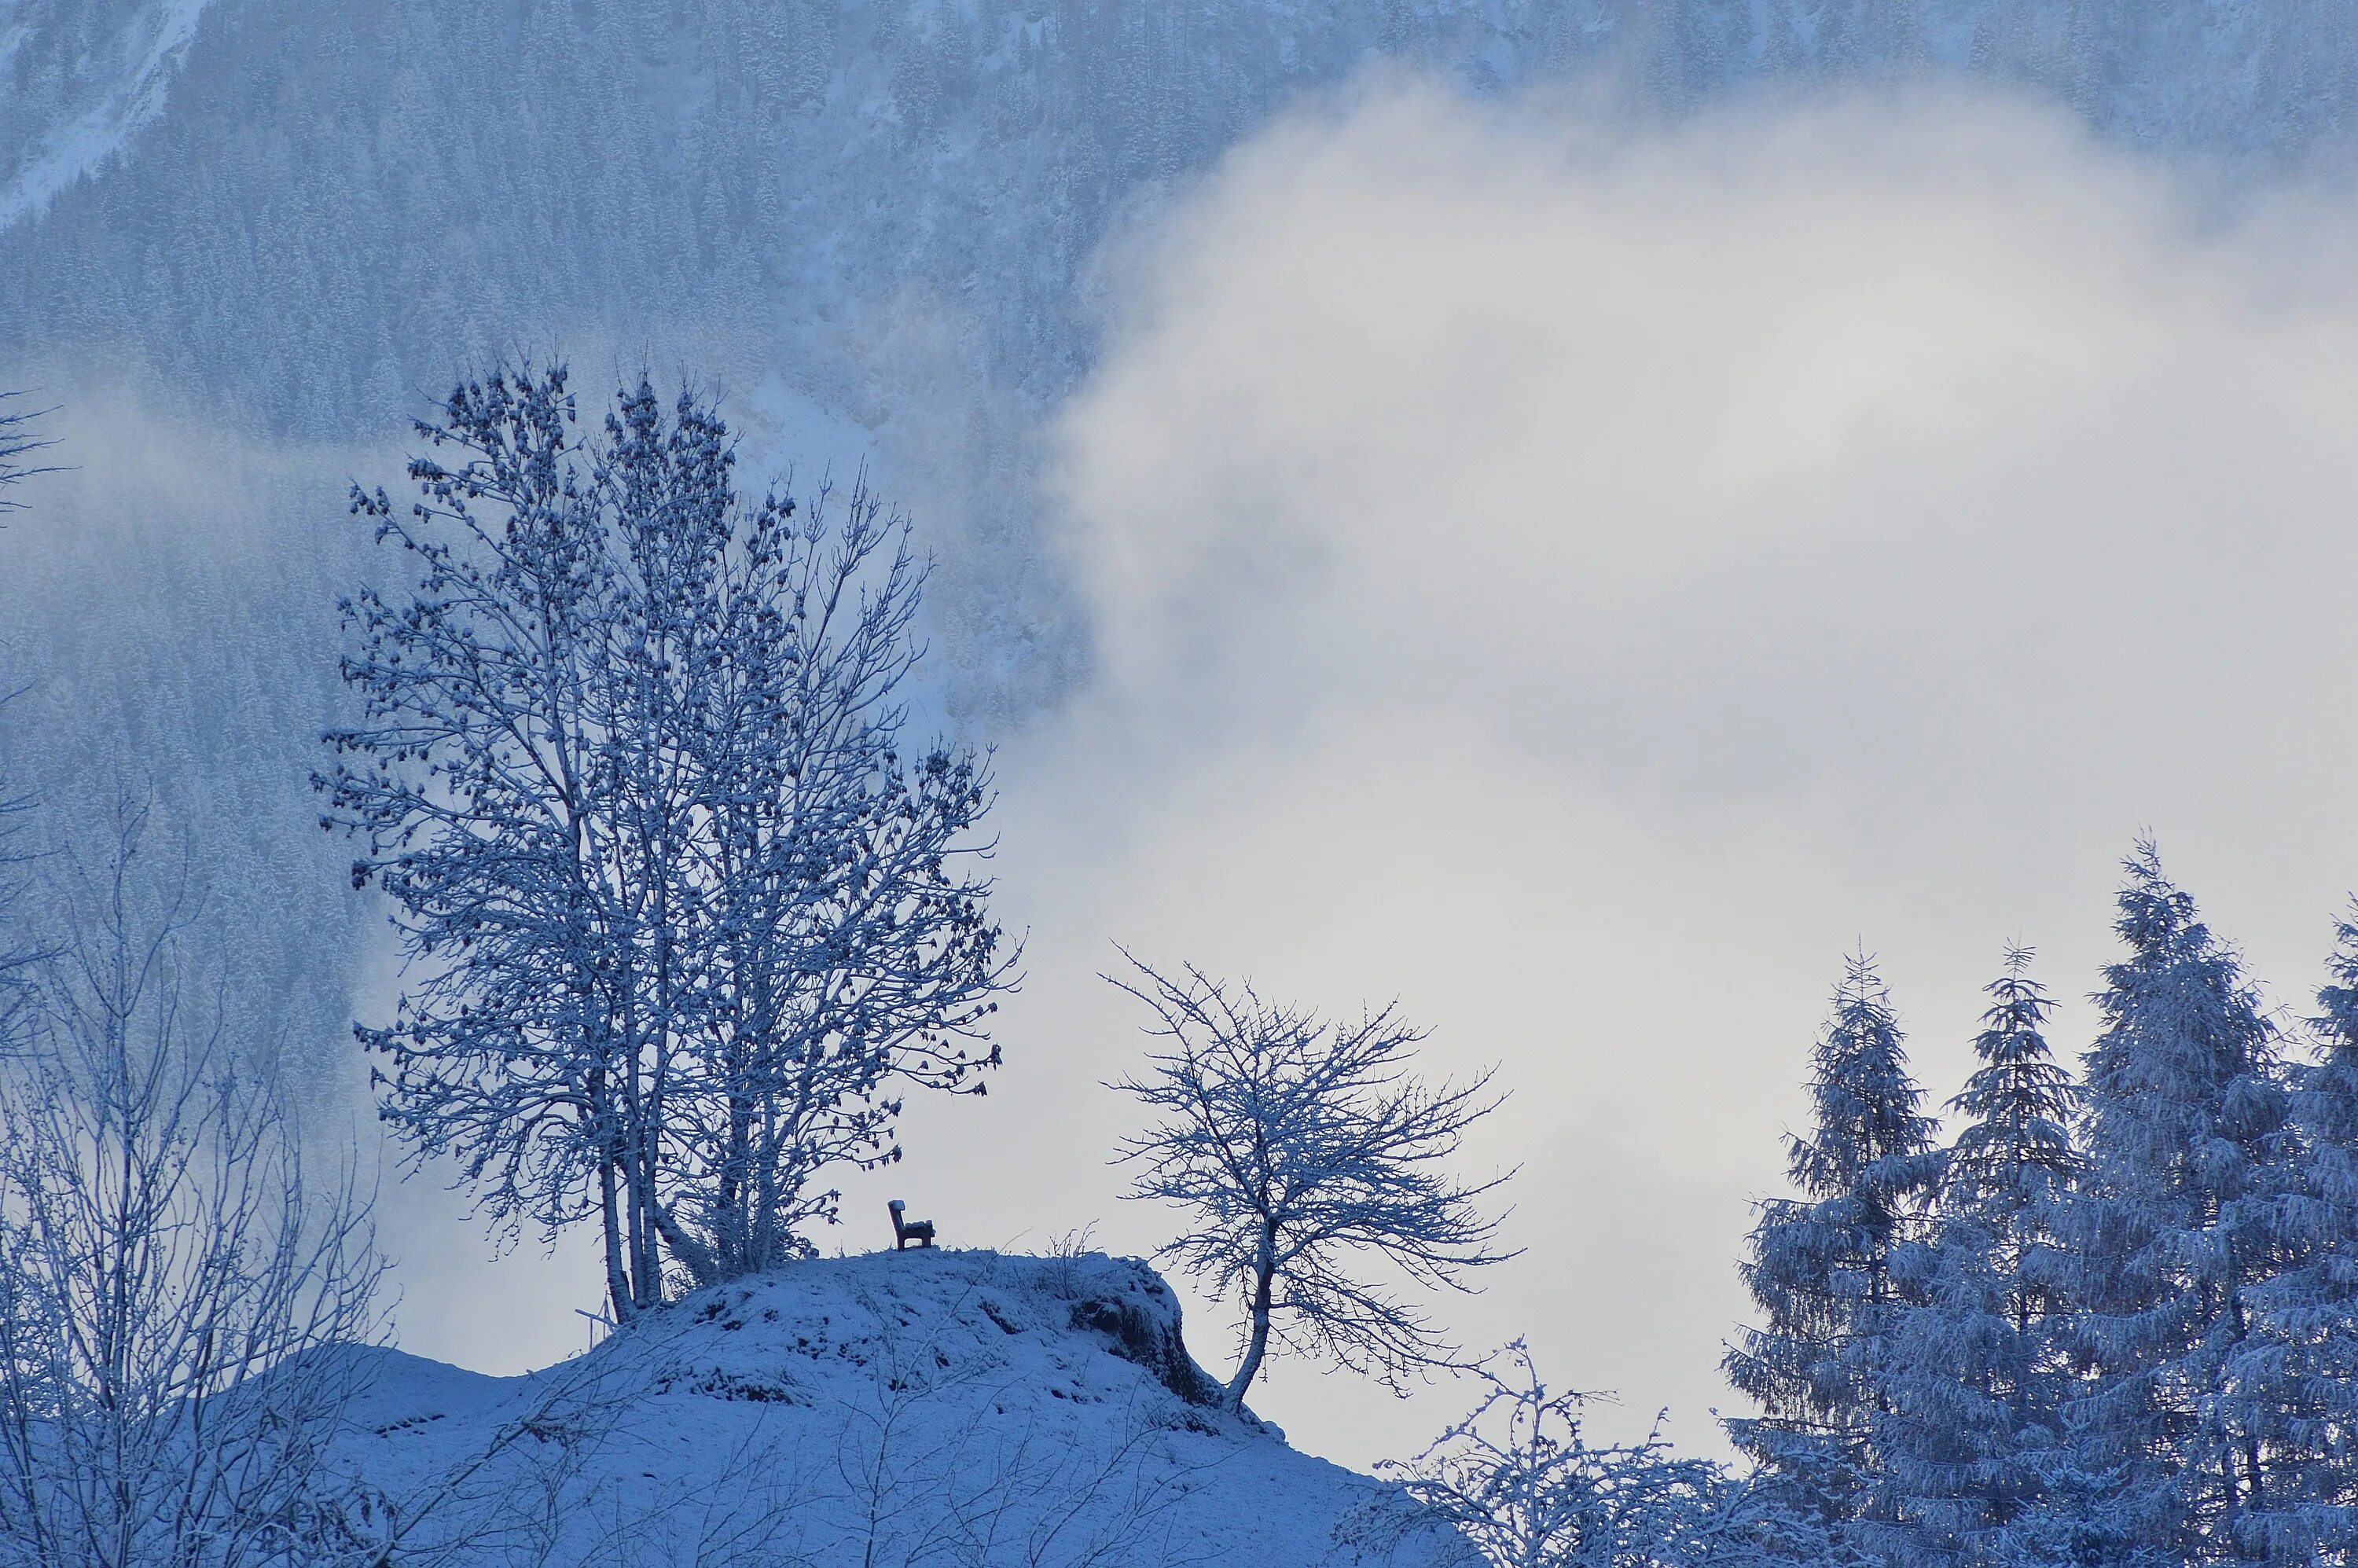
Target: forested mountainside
(300, 213)
(310, 206)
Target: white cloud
(1580, 581)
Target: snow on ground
(927, 1406)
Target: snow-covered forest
(1258, 659)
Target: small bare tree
(18, 953)
(174, 1288)
(1300, 1147)
(1519, 1482)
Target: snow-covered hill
(951, 1407)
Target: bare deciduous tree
(19, 951)
(17, 442)
(683, 919)
(175, 1286)
(1301, 1150)
(1519, 1482)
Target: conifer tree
(1970, 1385)
(2308, 1360)
(1821, 1264)
(2175, 1227)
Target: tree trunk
(698, 1258)
(618, 1277)
(1264, 1273)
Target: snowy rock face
(81, 79)
(903, 1407)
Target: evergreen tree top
(2157, 920)
(2185, 1076)
(2337, 1000)
(1871, 1135)
(2325, 1107)
(2020, 1102)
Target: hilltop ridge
(929, 1406)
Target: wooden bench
(905, 1231)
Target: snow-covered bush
(1520, 1484)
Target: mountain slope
(83, 80)
(923, 1406)
(300, 214)
(338, 199)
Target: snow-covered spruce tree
(2307, 1356)
(1518, 1479)
(2175, 1227)
(1300, 1149)
(1967, 1423)
(175, 1282)
(1819, 1269)
(679, 916)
